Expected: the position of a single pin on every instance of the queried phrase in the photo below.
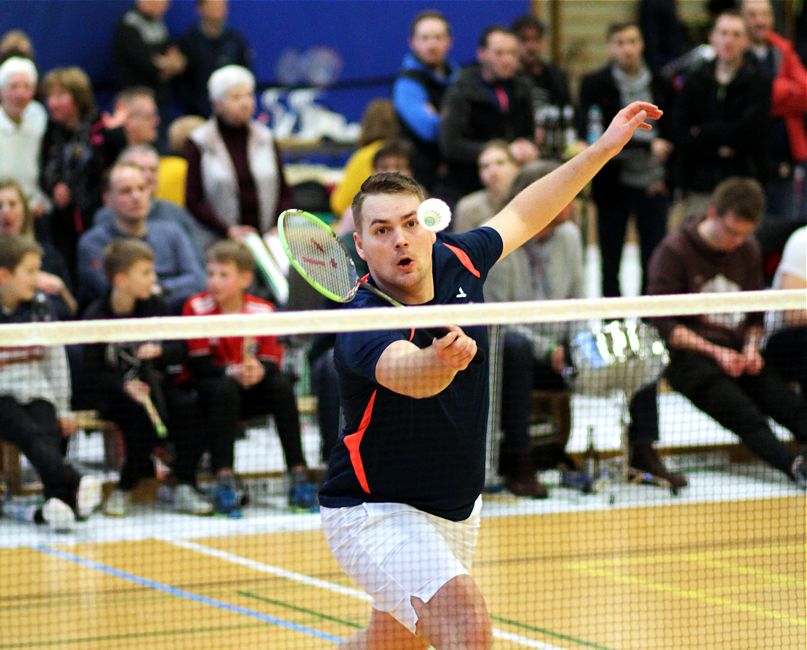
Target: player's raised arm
(539, 203)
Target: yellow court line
(693, 594)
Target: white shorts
(394, 552)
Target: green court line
(303, 610)
(133, 635)
(541, 630)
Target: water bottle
(570, 135)
(594, 124)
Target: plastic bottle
(594, 124)
(570, 135)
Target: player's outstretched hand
(633, 116)
(456, 349)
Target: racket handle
(154, 416)
(440, 332)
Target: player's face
(237, 106)
(20, 284)
(12, 211)
(16, 95)
(397, 249)
(139, 279)
(625, 47)
(129, 194)
(497, 170)
(759, 17)
(431, 41)
(730, 39)
(499, 58)
(226, 282)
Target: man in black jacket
(633, 183)
(485, 102)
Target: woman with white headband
(235, 181)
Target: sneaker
(88, 496)
(117, 505)
(799, 472)
(644, 457)
(526, 486)
(58, 515)
(189, 501)
(225, 499)
(303, 496)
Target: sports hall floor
(721, 565)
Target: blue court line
(181, 593)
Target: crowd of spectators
(80, 181)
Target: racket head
(317, 255)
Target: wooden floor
(716, 575)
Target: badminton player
(401, 504)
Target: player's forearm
(406, 369)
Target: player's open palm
(456, 349)
(633, 116)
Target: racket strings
(321, 255)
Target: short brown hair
(229, 250)
(742, 196)
(123, 253)
(76, 82)
(423, 15)
(617, 27)
(384, 183)
(14, 248)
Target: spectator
(125, 380)
(550, 267)
(16, 42)
(235, 180)
(417, 94)
(178, 270)
(378, 125)
(209, 45)
(146, 158)
(486, 101)
(174, 166)
(143, 52)
(786, 350)
(241, 378)
(663, 32)
(722, 103)
(136, 111)
(22, 125)
(633, 183)
(497, 169)
(786, 190)
(551, 87)
(714, 359)
(35, 394)
(53, 278)
(71, 158)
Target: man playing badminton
(401, 504)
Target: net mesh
(708, 553)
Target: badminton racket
(323, 261)
(146, 402)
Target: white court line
(324, 584)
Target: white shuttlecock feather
(434, 214)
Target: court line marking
(692, 594)
(324, 584)
(181, 593)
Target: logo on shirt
(461, 293)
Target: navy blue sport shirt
(428, 453)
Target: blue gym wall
(370, 36)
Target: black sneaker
(644, 457)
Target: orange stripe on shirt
(462, 256)
(353, 441)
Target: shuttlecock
(434, 214)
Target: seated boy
(240, 377)
(35, 394)
(125, 380)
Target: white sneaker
(58, 515)
(188, 500)
(117, 505)
(88, 496)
